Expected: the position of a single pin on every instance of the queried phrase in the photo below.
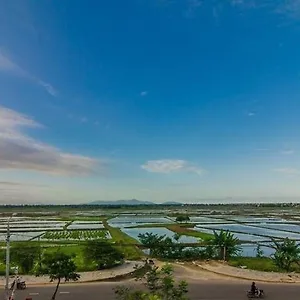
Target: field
(69, 229)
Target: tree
(25, 256)
(259, 251)
(59, 266)
(225, 245)
(182, 218)
(286, 253)
(152, 241)
(160, 285)
(103, 254)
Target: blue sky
(158, 100)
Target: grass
(119, 237)
(254, 263)
(182, 229)
(83, 235)
(260, 264)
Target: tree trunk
(56, 289)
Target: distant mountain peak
(132, 202)
(122, 202)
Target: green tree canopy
(286, 253)
(224, 245)
(103, 254)
(59, 266)
(25, 256)
(182, 218)
(160, 285)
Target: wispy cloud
(19, 151)
(167, 166)
(288, 171)
(251, 114)
(287, 8)
(9, 66)
(192, 7)
(290, 8)
(287, 152)
(144, 93)
(83, 119)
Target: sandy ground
(124, 269)
(224, 270)
(195, 271)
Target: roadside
(119, 271)
(223, 269)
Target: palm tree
(286, 253)
(225, 244)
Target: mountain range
(132, 202)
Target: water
(134, 232)
(122, 222)
(25, 236)
(206, 220)
(240, 236)
(253, 230)
(288, 227)
(250, 250)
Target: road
(202, 286)
(201, 290)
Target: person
(253, 288)
(18, 281)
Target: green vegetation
(123, 240)
(183, 229)
(287, 254)
(182, 218)
(165, 248)
(58, 266)
(25, 256)
(102, 254)
(224, 245)
(160, 285)
(254, 263)
(75, 235)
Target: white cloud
(287, 8)
(167, 166)
(288, 152)
(288, 171)
(19, 151)
(192, 6)
(251, 114)
(144, 93)
(83, 119)
(8, 66)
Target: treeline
(49, 207)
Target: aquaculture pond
(240, 236)
(255, 230)
(134, 232)
(131, 221)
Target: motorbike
(20, 285)
(260, 294)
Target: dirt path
(223, 270)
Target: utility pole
(7, 259)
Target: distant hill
(122, 202)
(132, 202)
